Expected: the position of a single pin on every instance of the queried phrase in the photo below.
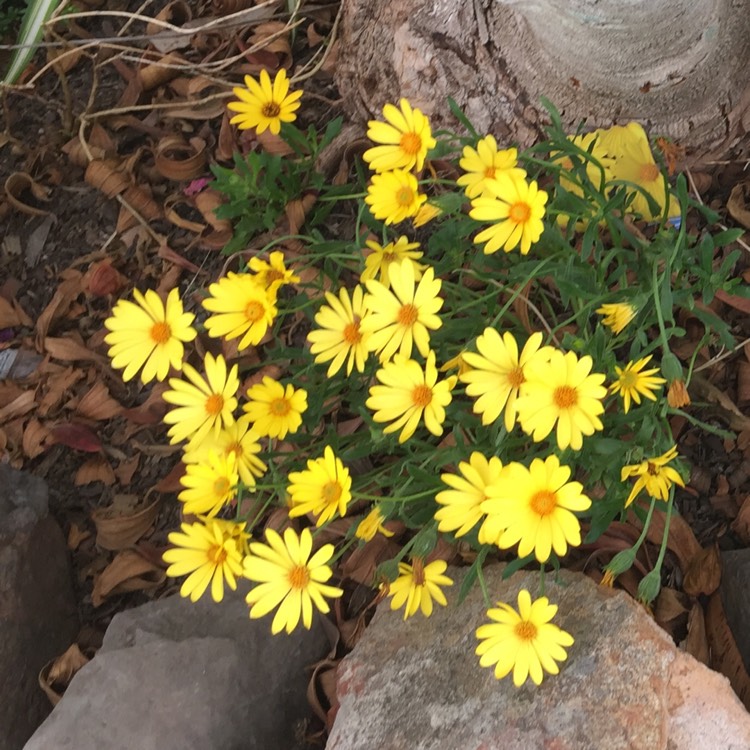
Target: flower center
(214, 404)
(161, 333)
(515, 377)
(628, 379)
(299, 577)
(652, 469)
(351, 333)
(331, 492)
(489, 173)
(649, 172)
(273, 274)
(217, 555)
(421, 396)
(565, 396)
(235, 448)
(543, 502)
(407, 315)
(405, 196)
(221, 486)
(279, 407)
(519, 212)
(417, 572)
(411, 143)
(254, 311)
(525, 630)
(271, 109)
(389, 257)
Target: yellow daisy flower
(537, 506)
(371, 524)
(275, 410)
(380, 259)
(148, 334)
(238, 438)
(272, 274)
(400, 317)
(591, 143)
(209, 551)
(462, 503)
(321, 489)
(417, 586)
(406, 139)
(617, 315)
(394, 196)
(209, 485)
(561, 391)
(202, 404)
(633, 161)
(263, 105)
(495, 375)
(340, 337)
(524, 642)
(406, 393)
(653, 475)
(484, 163)
(633, 382)
(289, 578)
(241, 307)
(516, 207)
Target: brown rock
(418, 684)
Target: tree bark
(678, 66)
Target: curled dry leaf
(106, 176)
(172, 208)
(696, 643)
(97, 404)
(273, 37)
(225, 7)
(681, 541)
(741, 524)
(124, 522)
(102, 279)
(738, 206)
(196, 89)
(77, 535)
(129, 571)
(178, 13)
(151, 410)
(35, 434)
(180, 160)
(12, 314)
(274, 144)
(207, 201)
(703, 574)
(96, 469)
(137, 199)
(158, 72)
(22, 192)
(297, 210)
(725, 656)
(55, 675)
(61, 302)
(69, 350)
(18, 406)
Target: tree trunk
(678, 66)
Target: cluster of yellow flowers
(391, 314)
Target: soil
(37, 125)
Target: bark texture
(678, 66)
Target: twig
(721, 355)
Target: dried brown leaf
(738, 206)
(59, 305)
(696, 643)
(97, 404)
(119, 526)
(76, 535)
(129, 571)
(703, 574)
(180, 160)
(34, 436)
(69, 350)
(125, 470)
(56, 675)
(107, 177)
(20, 405)
(12, 314)
(102, 279)
(22, 192)
(96, 469)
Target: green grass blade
(37, 14)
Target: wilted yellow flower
(418, 585)
(426, 214)
(148, 334)
(653, 475)
(289, 578)
(406, 138)
(617, 315)
(263, 105)
(677, 394)
(371, 524)
(525, 642)
(271, 274)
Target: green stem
(646, 524)
(665, 537)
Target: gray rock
(735, 596)
(172, 675)
(38, 616)
(417, 685)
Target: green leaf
(468, 583)
(32, 28)
(517, 564)
(461, 117)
